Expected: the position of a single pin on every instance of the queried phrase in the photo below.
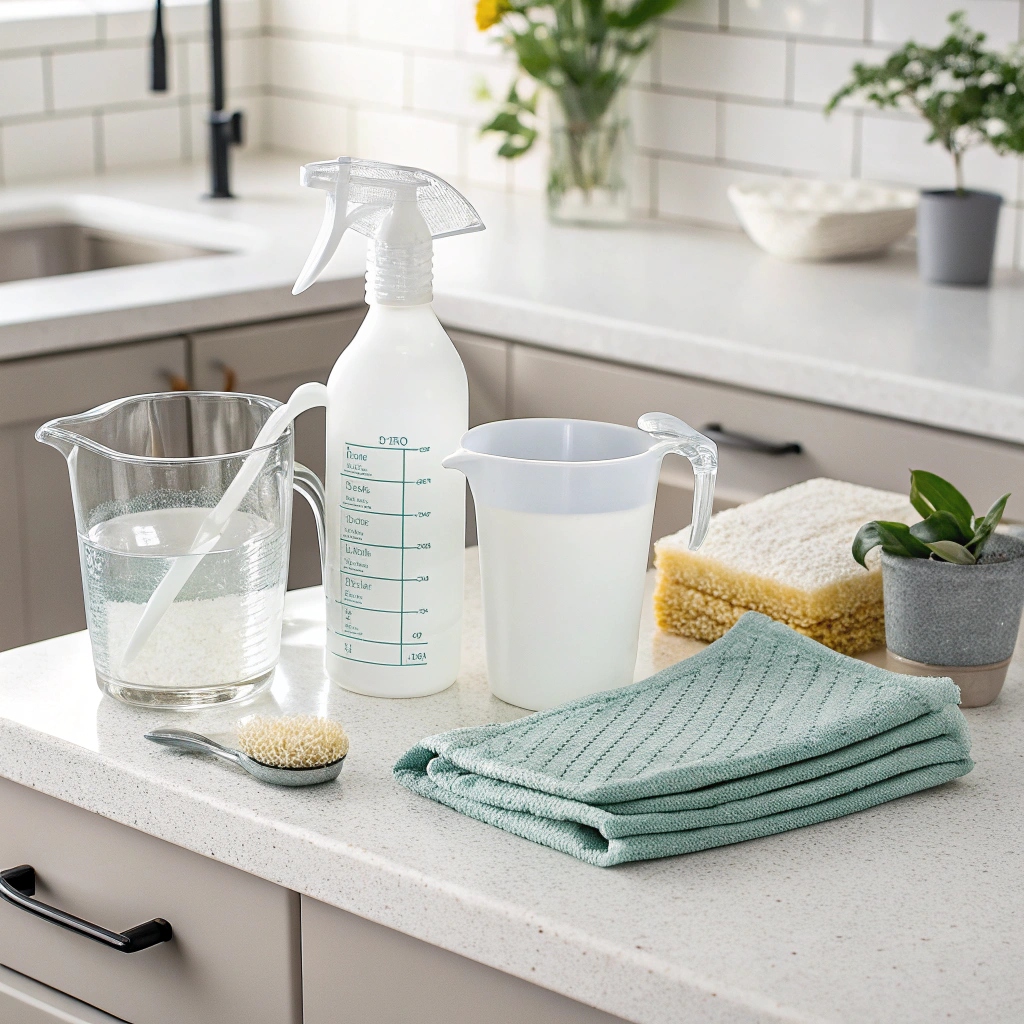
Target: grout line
(869, 15)
(47, 59)
(789, 89)
(3, 169)
(720, 123)
(99, 157)
(723, 14)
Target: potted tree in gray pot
(970, 96)
(953, 589)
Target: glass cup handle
(680, 438)
(308, 484)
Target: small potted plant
(970, 96)
(953, 589)
(582, 55)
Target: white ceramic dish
(804, 219)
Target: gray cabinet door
(273, 359)
(356, 970)
(43, 537)
(12, 599)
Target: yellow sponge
(786, 555)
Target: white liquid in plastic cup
(564, 514)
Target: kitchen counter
(865, 335)
(911, 912)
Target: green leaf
(950, 551)
(895, 538)
(940, 526)
(984, 529)
(866, 539)
(930, 493)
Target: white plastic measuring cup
(564, 511)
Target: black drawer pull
(730, 439)
(18, 885)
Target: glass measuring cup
(564, 512)
(145, 473)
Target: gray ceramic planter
(956, 236)
(956, 620)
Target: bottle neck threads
(400, 275)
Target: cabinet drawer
(357, 970)
(234, 957)
(853, 446)
(35, 390)
(24, 1001)
(306, 345)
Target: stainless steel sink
(47, 250)
(81, 233)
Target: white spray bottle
(397, 404)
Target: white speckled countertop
(866, 335)
(909, 912)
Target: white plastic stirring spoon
(304, 397)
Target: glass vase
(588, 180)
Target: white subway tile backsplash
(798, 140)
(125, 19)
(56, 147)
(896, 21)
(841, 18)
(894, 149)
(641, 196)
(530, 172)
(422, 24)
(21, 86)
(1008, 236)
(189, 17)
(407, 138)
(449, 85)
(347, 72)
(322, 17)
(723, 63)
(697, 12)
(46, 23)
(676, 124)
(94, 78)
(308, 127)
(821, 69)
(483, 165)
(697, 192)
(141, 137)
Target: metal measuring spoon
(185, 740)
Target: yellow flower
(489, 12)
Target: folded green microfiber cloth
(763, 731)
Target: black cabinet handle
(18, 886)
(730, 439)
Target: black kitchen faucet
(225, 128)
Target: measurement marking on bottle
(389, 664)
(385, 542)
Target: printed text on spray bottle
(386, 540)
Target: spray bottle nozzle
(372, 190)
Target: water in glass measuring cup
(224, 628)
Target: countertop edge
(619, 981)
